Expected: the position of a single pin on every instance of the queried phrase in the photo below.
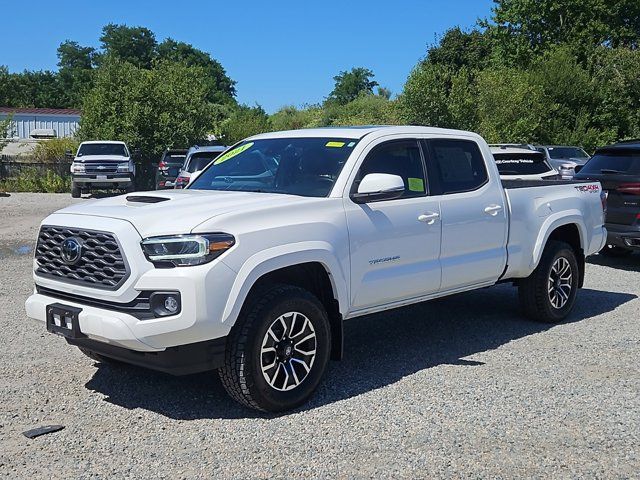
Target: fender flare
(282, 256)
(551, 223)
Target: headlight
(186, 250)
(77, 168)
(125, 167)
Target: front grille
(100, 168)
(100, 264)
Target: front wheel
(278, 351)
(75, 190)
(549, 293)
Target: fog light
(164, 304)
(171, 304)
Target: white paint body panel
(463, 248)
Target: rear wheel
(615, 251)
(278, 351)
(75, 190)
(549, 293)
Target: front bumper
(623, 236)
(120, 179)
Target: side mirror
(375, 187)
(193, 176)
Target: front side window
(296, 166)
(459, 165)
(400, 158)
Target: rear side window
(400, 158)
(459, 165)
(625, 162)
(521, 163)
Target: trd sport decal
(588, 188)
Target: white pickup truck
(254, 267)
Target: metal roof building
(41, 122)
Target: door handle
(493, 210)
(429, 217)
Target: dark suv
(169, 167)
(617, 167)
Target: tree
(424, 100)
(136, 45)
(222, 88)
(457, 49)
(523, 28)
(6, 131)
(149, 109)
(349, 85)
(75, 71)
(244, 122)
(292, 118)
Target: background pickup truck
(286, 235)
(102, 165)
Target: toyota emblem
(71, 251)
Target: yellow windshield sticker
(416, 184)
(335, 144)
(233, 153)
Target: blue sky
(279, 52)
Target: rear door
(473, 213)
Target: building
(41, 122)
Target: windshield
(198, 161)
(567, 152)
(116, 149)
(296, 166)
(521, 163)
(620, 162)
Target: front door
(394, 244)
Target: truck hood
(172, 212)
(100, 158)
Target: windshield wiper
(611, 171)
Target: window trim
(417, 141)
(434, 170)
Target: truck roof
(358, 132)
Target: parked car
(617, 168)
(169, 167)
(102, 165)
(258, 267)
(520, 163)
(197, 159)
(567, 160)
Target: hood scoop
(146, 199)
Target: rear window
(567, 152)
(521, 163)
(620, 162)
(200, 160)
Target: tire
(615, 251)
(259, 339)
(75, 190)
(96, 356)
(539, 298)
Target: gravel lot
(459, 387)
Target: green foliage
(136, 45)
(6, 131)
(33, 180)
(364, 110)
(149, 109)
(458, 49)
(243, 122)
(48, 151)
(292, 118)
(425, 97)
(350, 85)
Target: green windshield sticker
(233, 153)
(335, 144)
(416, 184)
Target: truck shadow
(380, 350)
(630, 263)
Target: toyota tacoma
(287, 235)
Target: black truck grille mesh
(101, 263)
